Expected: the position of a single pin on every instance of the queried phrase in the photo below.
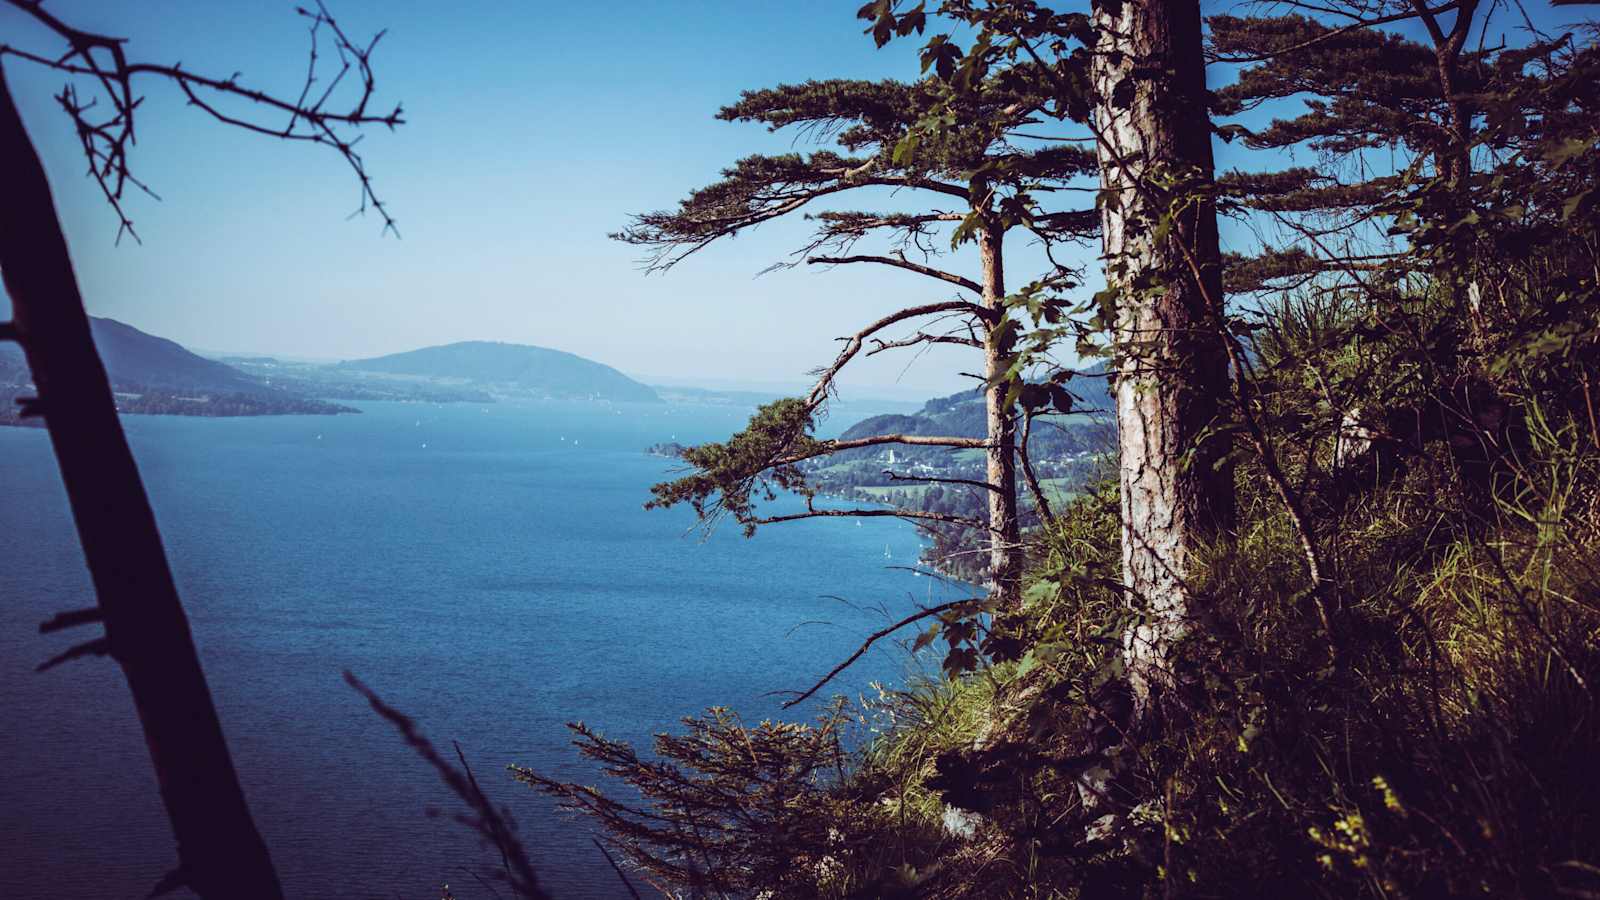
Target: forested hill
(521, 367)
(963, 415)
(133, 357)
(155, 375)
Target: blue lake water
(487, 569)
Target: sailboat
(886, 553)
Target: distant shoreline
(198, 405)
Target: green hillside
(963, 415)
(155, 375)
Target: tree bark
(1171, 370)
(1005, 544)
(221, 854)
(1455, 162)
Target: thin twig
(519, 871)
(874, 638)
(616, 868)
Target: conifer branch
(492, 824)
(873, 638)
(1420, 10)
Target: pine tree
(1133, 75)
(1163, 262)
(1383, 113)
(970, 200)
(1424, 140)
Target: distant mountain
(518, 368)
(154, 375)
(330, 382)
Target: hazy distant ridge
(155, 375)
(136, 358)
(538, 369)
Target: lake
(487, 569)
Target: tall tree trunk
(221, 855)
(1172, 373)
(1455, 162)
(1005, 544)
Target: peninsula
(153, 375)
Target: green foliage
(1371, 86)
(730, 477)
(884, 126)
(952, 137)
(1428, 401)
(1002, 67)
(728, 809)
(1447, 756)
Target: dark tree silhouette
(220, 852)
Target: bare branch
(873, 513)
(1039, 499)
(825, 376)
(874, 638)
(900, 262)
(106, 139)
(100, 646)
(932, 480)
(923, 337)
(826, 447)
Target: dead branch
(932, 480)
(1042, 504)
(819, 392)
(900, 262)
(106, 137)
(923, 337)
(874, 638)
(826, 447)
(814, 513)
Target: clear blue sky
(533, 130)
